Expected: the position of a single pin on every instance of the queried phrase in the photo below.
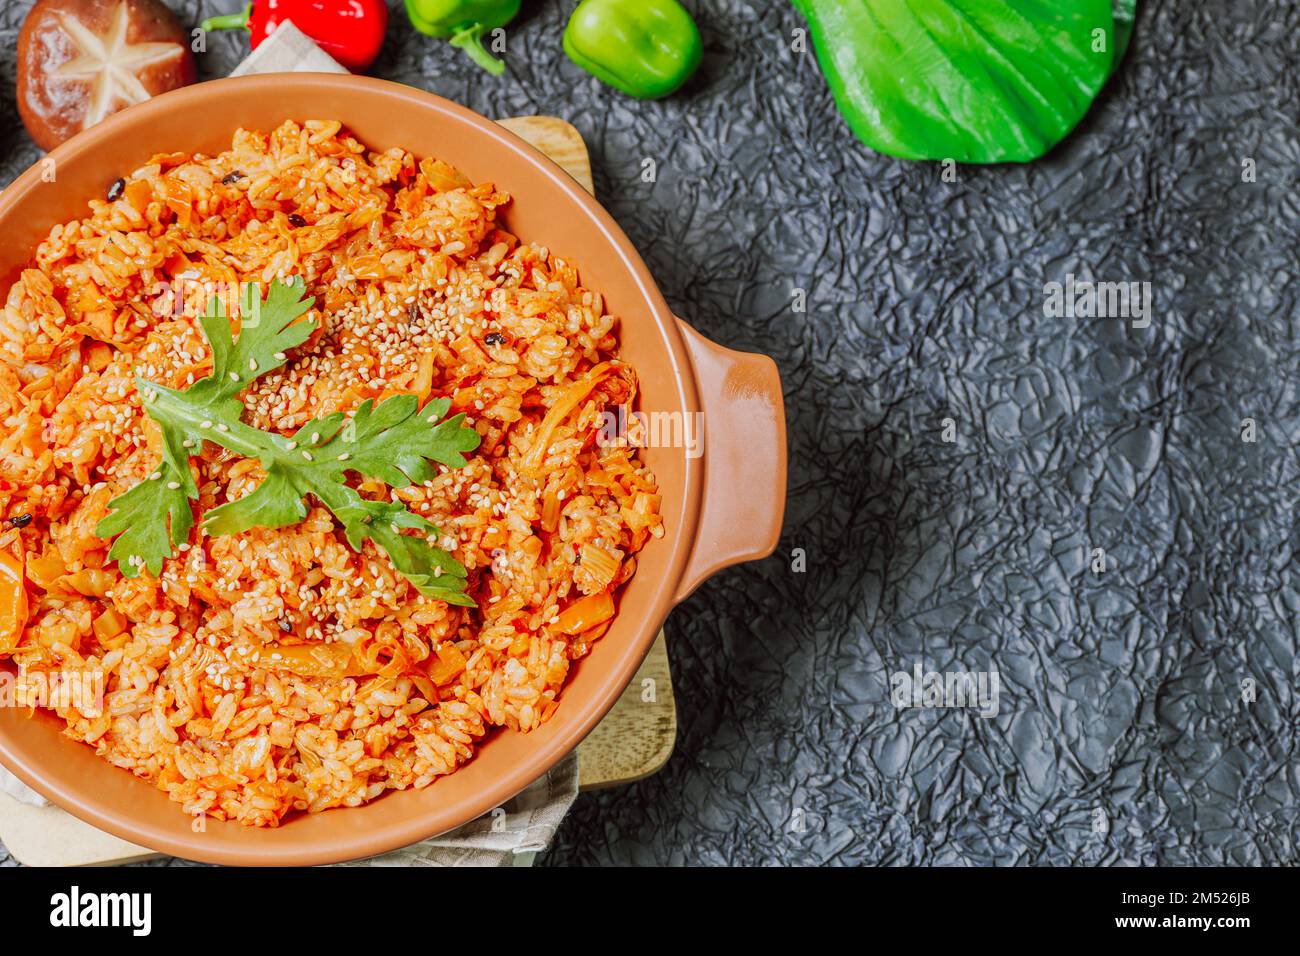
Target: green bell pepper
(646, 48)
(463, 23)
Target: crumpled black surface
(1121, 692)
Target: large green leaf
(976, 81)
(1125, 12)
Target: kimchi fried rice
(418, 290)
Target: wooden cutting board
(633, 741)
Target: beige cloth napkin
(523, 826)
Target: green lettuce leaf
(975, 81)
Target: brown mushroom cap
(80, 60)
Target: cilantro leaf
(150, 519)
(434, 572)
(153, 517)
(275, 503)
(267, 331)
(394, 441)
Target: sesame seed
(307, 455)
(173, 485)
(234, 376)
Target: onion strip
(573, 396)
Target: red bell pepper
(351, 31)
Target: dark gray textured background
(1120, 691)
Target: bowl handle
(744, 458)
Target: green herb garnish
(394, 441)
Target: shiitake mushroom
(81, 60)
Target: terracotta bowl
(719, 508)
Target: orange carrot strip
(13, 602)
(585, 613)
